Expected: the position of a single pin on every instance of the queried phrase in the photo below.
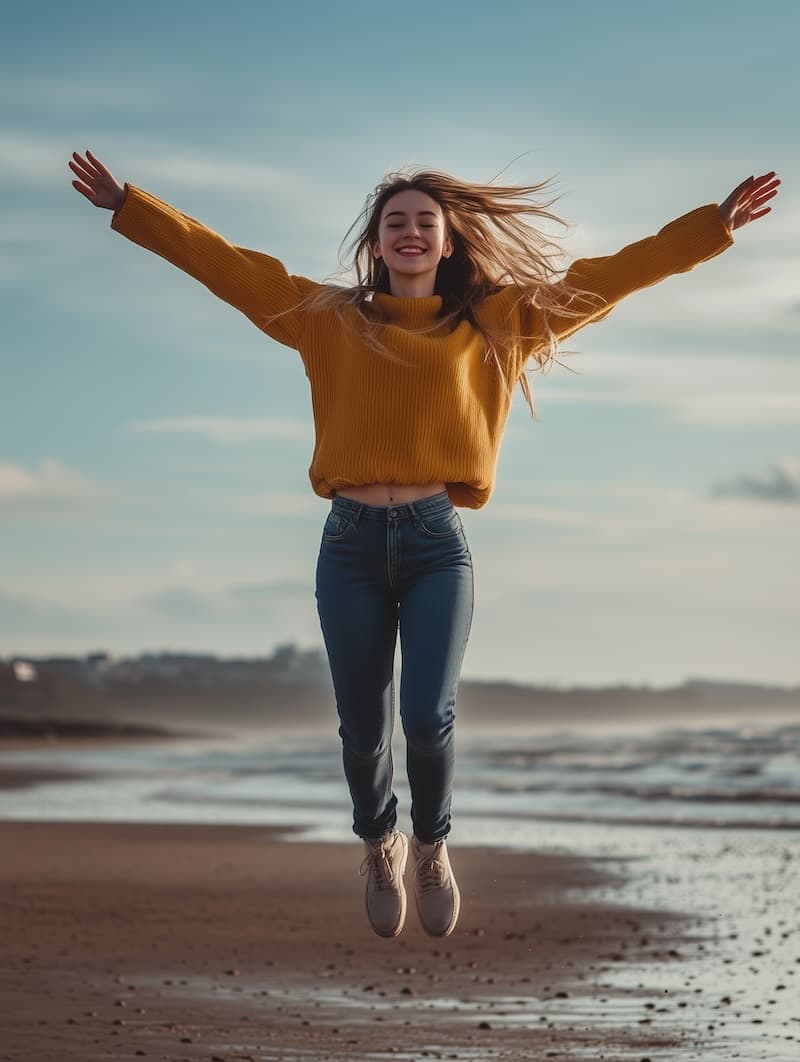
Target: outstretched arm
(677, 248)
(254, 283)
(592, 287)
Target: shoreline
(193, 942)
(49, 733)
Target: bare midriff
(391, 493)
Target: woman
(412, 370)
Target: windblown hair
(493, 245)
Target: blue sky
(154, 446)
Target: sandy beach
(128, 934)
(193, 942)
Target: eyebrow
(402, 213)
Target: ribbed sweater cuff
(135, 205)
(703, 232)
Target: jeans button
(393, 512)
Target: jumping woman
(412, 370)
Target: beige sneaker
(384, 865)
(435, 888)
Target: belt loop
(358, 512)
(414, 516)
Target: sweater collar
(409, 313)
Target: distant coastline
(161, 692)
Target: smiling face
(412, 240)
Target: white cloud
(737, 552)
(692, 388)
(52, 484)
(192, 170)
(33, 229)
(26, 615)
(30, 158)
(226, 430)
(757, 294)
(69, 94)
(278, 503)
(743, 409)
(637, 513)
(236, 602)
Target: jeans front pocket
(337, 526)
(440, 523)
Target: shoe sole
(403, 899)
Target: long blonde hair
(493, 245)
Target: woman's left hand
(744, 202)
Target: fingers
(756, 181)
(746, 201)
(97, 163)
(753, 202)
(766, 183)
(79, 171)
(771, 188)
(92, 174)
(84, 171)
(95, 182)
(759, 199)
(753, 193)
(91, 166)
(757, 184)
(82, 161)
(87, 192)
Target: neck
(412, 287)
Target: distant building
(24, 671)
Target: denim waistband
(405, 511)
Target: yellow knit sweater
(439, 412)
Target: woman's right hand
(96, 183)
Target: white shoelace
(431, 870)
(377, 861)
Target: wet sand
(195, 942)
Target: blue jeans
(380, 568)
